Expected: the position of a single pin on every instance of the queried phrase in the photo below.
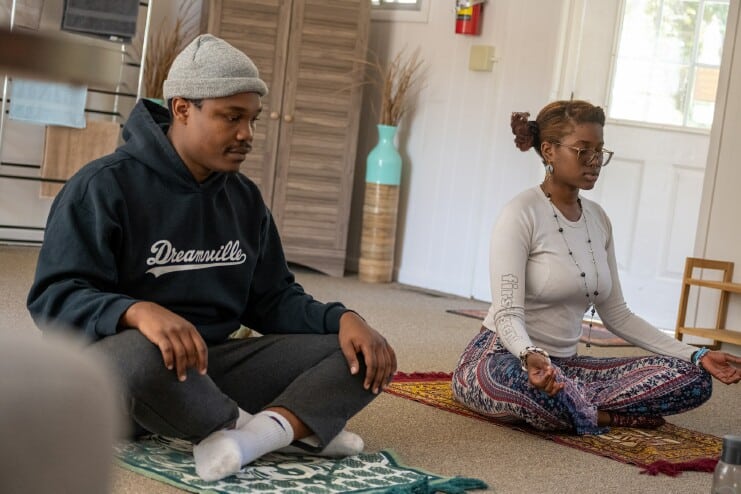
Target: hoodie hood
(145, 139)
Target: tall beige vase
(380, 209)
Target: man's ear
(180, 109)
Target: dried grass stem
(167, 43)
(166, 46)
(399, 79)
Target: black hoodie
(136, 226)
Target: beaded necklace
(582, 274)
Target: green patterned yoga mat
(171, 461)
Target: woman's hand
(356, 336)
(542, 375)
(179, 341)
(721, 366)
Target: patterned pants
(488, 379)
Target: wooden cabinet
(311, 55)
(719, 334)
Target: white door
(652, 188)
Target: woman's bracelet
(527, 351)
(697, 356)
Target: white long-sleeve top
(538, 294)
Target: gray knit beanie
(209, 67)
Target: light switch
(482, 58)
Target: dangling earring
(548, 169)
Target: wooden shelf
(725, 335)
(718, 285)
(719, 334)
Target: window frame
(397, 13)
(690, 89)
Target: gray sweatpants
(304, 373)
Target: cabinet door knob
(288, 118)
(274, 115)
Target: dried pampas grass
(165, 47)
(398, 81)
(166, 44)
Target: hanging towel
(28, 13)
(104, 18)
(67, 150)
(48, 103)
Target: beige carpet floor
(426, 338)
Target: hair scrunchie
(532, 125)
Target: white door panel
(651, 191)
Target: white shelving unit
(22, 211)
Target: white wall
(460, 163)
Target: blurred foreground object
(58, 417)
(57, 58)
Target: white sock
(224, 452)
(242, 419)
(345, 443)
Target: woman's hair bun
(525, 131)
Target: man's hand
(542, 375)
(720, 365)
(380, 360)
(178, 340)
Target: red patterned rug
(670, 449)
(601, 336)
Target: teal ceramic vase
(383, 165)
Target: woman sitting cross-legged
(552, 258)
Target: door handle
(274, 115)
(288, 118)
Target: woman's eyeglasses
(590, 157)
